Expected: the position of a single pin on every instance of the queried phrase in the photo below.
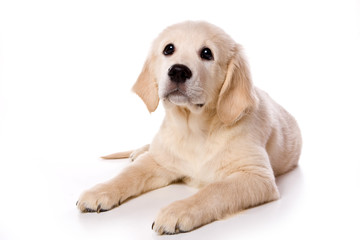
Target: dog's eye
(169, 49)
(206, 54)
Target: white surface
(67, 68)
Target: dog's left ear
(237, 95)
(146, 86)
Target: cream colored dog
(220, 133)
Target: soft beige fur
(221, 134)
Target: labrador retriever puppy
(220, 132)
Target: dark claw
(152, 226)
(99, 209)
(77, 203)
(88, 210)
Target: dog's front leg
(240, 190)
(142, 176)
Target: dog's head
(197, 65)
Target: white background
(66, 70)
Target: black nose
(179, 73)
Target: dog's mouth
(179, 97)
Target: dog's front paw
(100, 198)
(178, 217)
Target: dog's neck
(200, 121)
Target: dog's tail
(133, 154)
(118, 155)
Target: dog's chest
(194, 155)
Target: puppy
(220, 133)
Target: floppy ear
(146, 86)
(237, 94)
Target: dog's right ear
(146, 86)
